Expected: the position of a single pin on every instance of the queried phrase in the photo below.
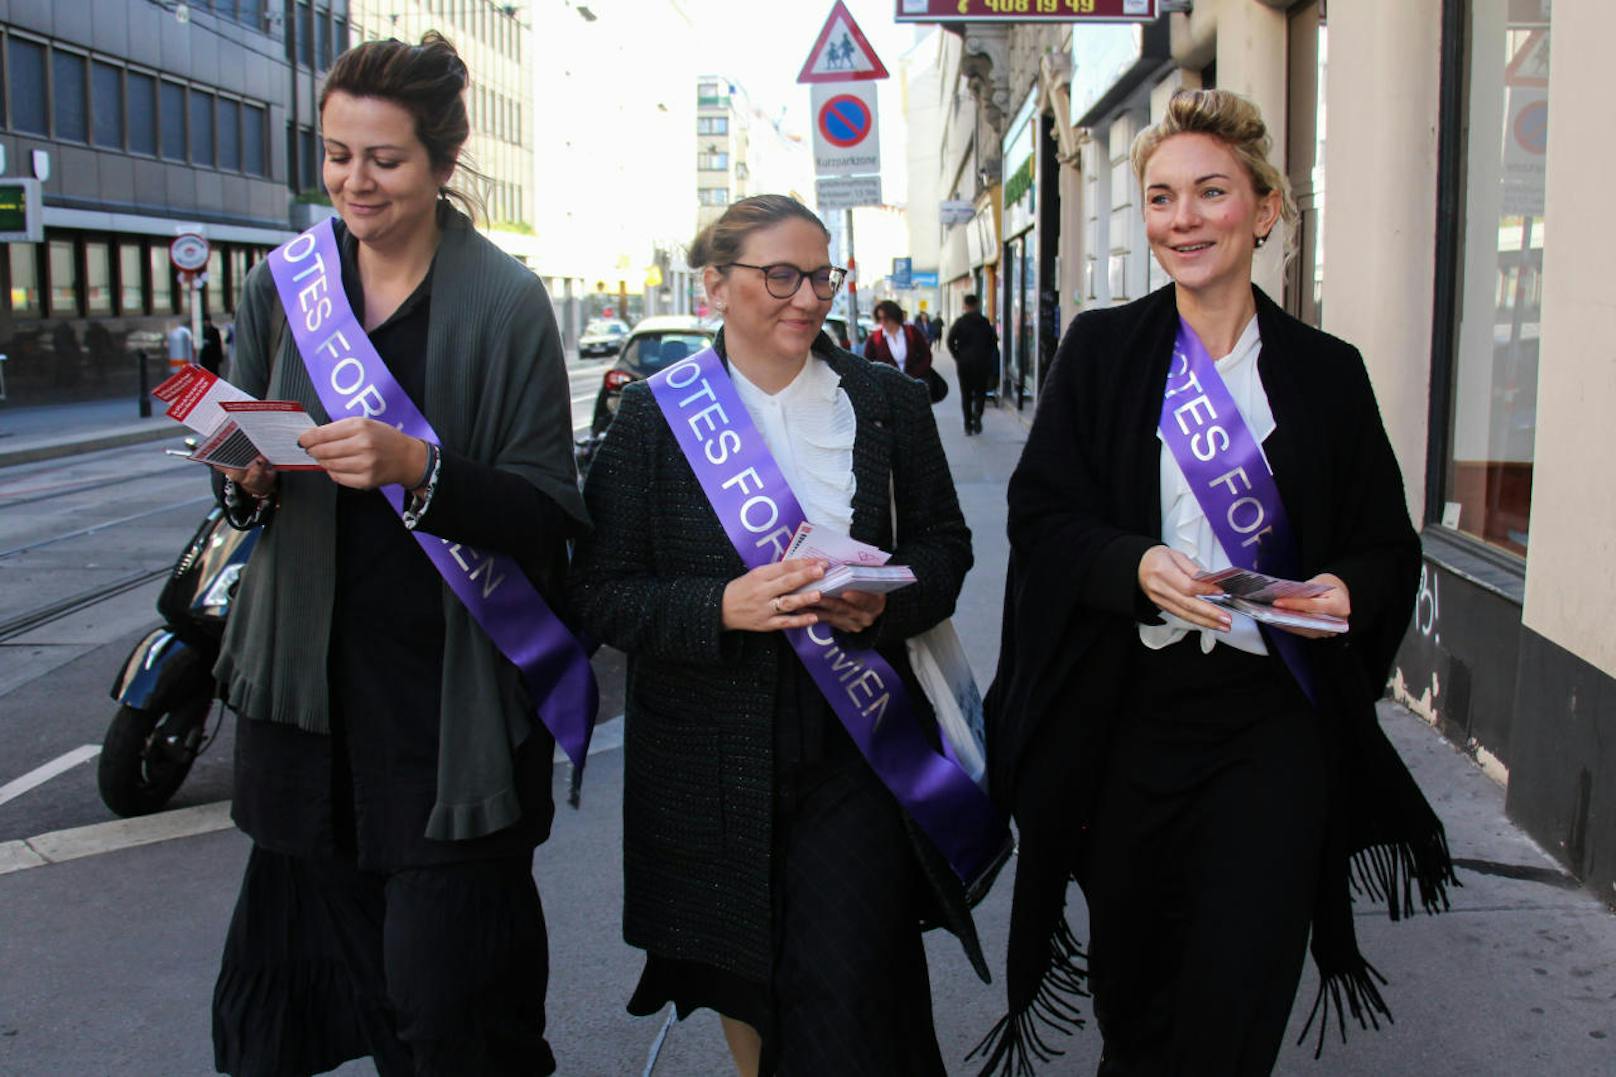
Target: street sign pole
(852, 285)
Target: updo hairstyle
(722, 241)
(428, 81)
(1233, 121)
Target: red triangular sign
(842, 53)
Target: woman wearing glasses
(770, 874)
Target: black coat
(1085, 505)
(701, 701)
(975, 346)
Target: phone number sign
(1027, 10)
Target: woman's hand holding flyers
(365, 454)
(762, 600)
(1336, 602)
(1167, 578)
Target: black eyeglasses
(782, 279)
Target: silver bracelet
(417, 504)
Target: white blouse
(898, 345)
(809, 428)
(1184, 525)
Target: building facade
(1487, 341)
(722, 172)
(142, 120)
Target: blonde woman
(1211, 783)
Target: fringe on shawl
(1388, 872)
(1385, 872)
(1011, 1046)
(1363, 1002)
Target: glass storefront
(1487, 490)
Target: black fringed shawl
(1085, 504)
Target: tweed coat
(701, 701)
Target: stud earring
(1261, 240)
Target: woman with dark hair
(772, 872)
(898, 343)
(1213, 783)
(390, 768)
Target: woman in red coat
(897, 343)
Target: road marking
(77, 842)
(81, 841)
(40, 775)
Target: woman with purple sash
(393, 750)
(770, 872)
(1217, 787)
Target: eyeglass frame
(838, 276)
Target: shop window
(24, 259)
(238, 274)
(142, 96)
(216, 283)
(252, 140)
(172, 114)
(25, 68)
(229, 134)
(64, 279)
(106, 99)
(97, 279)
(1487, 487)
(131, 296)
(68, 100)
(162, 280)
(202, 128)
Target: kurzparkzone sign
(1027, 10)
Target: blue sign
(926, 279)
(845, 120)
(901, 269)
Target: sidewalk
(109, 960)
(48, 431)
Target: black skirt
(850, 992)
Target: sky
(614, 99)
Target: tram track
(55, 611)
(36, 494)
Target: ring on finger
(776, 605)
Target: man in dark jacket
(975, 347)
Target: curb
(74, 446)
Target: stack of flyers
(236, 428)
(1253, 594)
(853, 565)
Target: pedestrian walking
(181, 347)
(770, 871)
(390, 769)
(1216, 786)
(212, 357)
(975, 347)
(898, 343)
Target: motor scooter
(165, 689)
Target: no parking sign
(846, 139)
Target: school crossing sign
(841, 71)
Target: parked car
(655, 343)
(836, 328)
(602, 336)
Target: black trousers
(1202, 865)
(974, 386)
(438, 970)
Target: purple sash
(351, 379)
(759, 512)
(1226, 471)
